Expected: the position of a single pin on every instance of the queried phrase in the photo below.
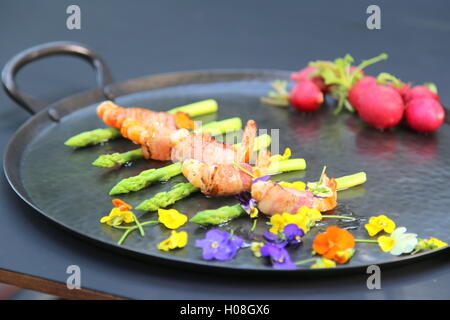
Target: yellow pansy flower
(171, 218)
(255, 246)
(436, 243)
(297, 185)
(278, 157)
(279, 221)
(429, 244)
(302, 221)
(377, 224)
(323, 263)
(253, 212)
(386, 243)
(313, 214)
(176, 240)
(117, 216)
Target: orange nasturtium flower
(122, 205)
(119, 214)
(334, 244)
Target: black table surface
(140, 38)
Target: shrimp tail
(245, 150)
(262, 163)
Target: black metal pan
(408, 174)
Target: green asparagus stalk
(349, 181)
(165, 199)
(352, 180)
(218, 216)
(197, 108)
(287, 165)
(146, 177)
(92, 137)
(113, 159)
(97, 136)
(215, 128)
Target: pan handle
(30, 103)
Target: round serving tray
(408, 173)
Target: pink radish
(378, 105)
(424, 114)
(305, 74)
(306, 96)
(420, 92)
(357, 91)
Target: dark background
(139, 38)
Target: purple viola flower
(274, 239)
(293, 234)
(278, 255)
(219, 245)
(262, 178)
(248, 203)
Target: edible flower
(429, 244)
(248, 203)
(279, 221)
(297, 185)
(344, 256)
(305, 218)
(262, 178)
(120, 213)
(380, 223)
(278, 256)
(176, 240)
(171, 218)
(273, 238)
(312, 214)
(278, 157)
(332, 241)
(398, 242)
(255, 247)
(122, 205)
(219, 245)
(323, 263)
(293, 234)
